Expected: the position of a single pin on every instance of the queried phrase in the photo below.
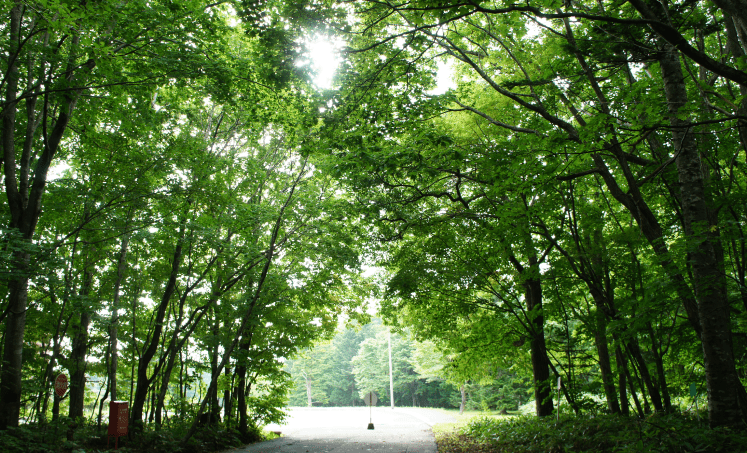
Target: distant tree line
(356, 361)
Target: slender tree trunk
(661, 375)
(241, 360)
(49, 372)
(463, 403)
(143, 381)
(625, 376)
(227, 405)
(641, 386)
(114, 323)
(80, 350)
(605, 366)
(182, 385)
(101, 403)
(166, 376)
(600, 270)
(635, 352)
(55, 407)
(214, 413)
(307, 381)
(622, 384)
(254, 300)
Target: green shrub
(672, 433)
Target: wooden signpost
(119, 420)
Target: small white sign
(370, 399)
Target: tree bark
(80, 341)
(78, 369)
(242, 358)
(621, 384)
(710, 292)
(605, 366)
(540, 367)
(114, 323)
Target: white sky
(325, 59)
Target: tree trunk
(710, 293)
(24, 190)
(78, 368)
(165, 378)
(463, 403)
(15, 325)
(241, 360)
(621, 385)
(307, 380)
(15, 322)
(114, 323)
(635, 353)
(659, 362)
(214, 412)
(55, 406)
(143, 381)
(540, 367)
(80, 344)
(601, 275)
(605, 367)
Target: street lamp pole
(391, 376)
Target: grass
(463, 419)
(670, 433)
(449, 437)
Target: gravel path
(344, 430)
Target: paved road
(344, 430)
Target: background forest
(187, 210)
(356, 361)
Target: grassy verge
(675, 433)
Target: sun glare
(324, 54)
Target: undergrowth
(65, 437)
(671, 433)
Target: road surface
(344, 430)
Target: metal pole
(391, 376)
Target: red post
(119, 419)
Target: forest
(356, 361)
(549, 192)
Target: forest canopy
(186, 212)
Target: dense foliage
(573, 206)
(184, 209)
(167, 236)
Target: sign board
(370, 399)
(119, 417)
(693, 390)
(60, 385)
